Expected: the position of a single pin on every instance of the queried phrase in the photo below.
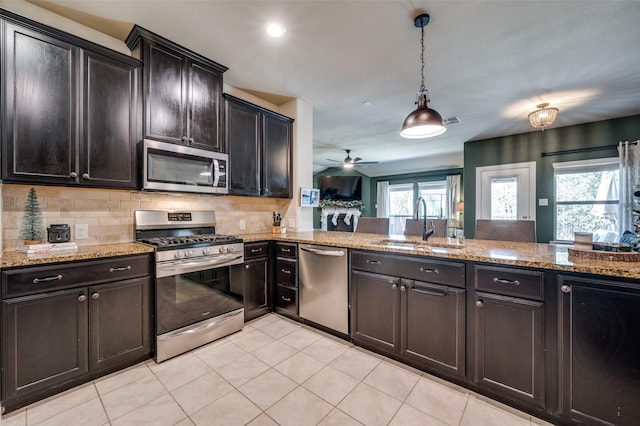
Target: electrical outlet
(243, 224)
(82, 231)
(292, 222)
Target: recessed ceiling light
(276, 30)
(366, 103)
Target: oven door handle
(210, 324)
(177, 267)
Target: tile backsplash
(109, 213)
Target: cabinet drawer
(417, 268)
(17, 282)
(287, 250)
(286, 273)
(287, 299)
(256, 250)
(510, 281)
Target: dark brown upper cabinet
(182, 92)
(259, 143)
(69, 109)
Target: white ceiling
(488, 62)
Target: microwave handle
(216, 173)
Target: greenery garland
(348, 204)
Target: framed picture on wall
(309, 197)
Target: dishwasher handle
(323, 252)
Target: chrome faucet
(425, 233)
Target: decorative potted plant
(32, 228)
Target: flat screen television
(341, 188)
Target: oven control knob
(206, 250)
(188, 253)
(221, 249)
(230, 249)
(178, 254)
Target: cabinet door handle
(565, 288)
(246, 266)
(95, 296)
(479, 303)
(120, 268)
(184, 139)
(286, 271)
(86, 176)
(429, 271)
(503, 281)
(190, 140)
(403, 288)
(286, 299)
(394, 286)
(44, 280)
(256, 250)
(429, 292)
(73, 174)
(373, 262)
(82, 298)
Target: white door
(506, 192)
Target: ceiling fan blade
(357, 159)
(335, 161)
(360, 163)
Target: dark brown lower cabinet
(256, 290)
(509, 351)
(433, 326)
(417, 322)
(65, 324)
(118, 322)
(375, 318)
(600, 351)
(44, 341)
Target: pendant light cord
(422, 89)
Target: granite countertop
(13, 259)
(543, 256)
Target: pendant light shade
(424, 122)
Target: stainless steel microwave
(169, 167)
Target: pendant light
(424, 122)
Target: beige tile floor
(274, 371)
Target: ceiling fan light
(543, 116)
(348, 165)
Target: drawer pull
(285, 250)
(503, 281)
(429, 292)
(44, 280)
(565, 288)
(286, 299)
(373, 262)
(429, 270)
(95, 296)
(82, 298)
(256, 250)
(122, 268)
(286, 271)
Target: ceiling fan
(349, 162)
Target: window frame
(575, 167)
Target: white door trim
(504, 169)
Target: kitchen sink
(416, 244)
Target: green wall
(529, 147)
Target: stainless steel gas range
(196, 301)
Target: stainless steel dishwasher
(324, 293)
